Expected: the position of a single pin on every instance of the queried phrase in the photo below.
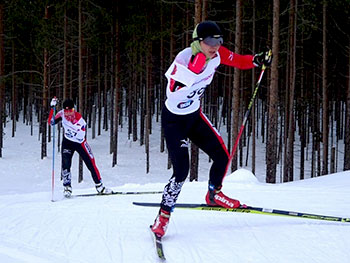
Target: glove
(263, 58)
(53, 102)
(197, 63)
(52, 122)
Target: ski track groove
(104, 228)
(259, 246)
(42, 229)
(36, 234)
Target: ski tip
(158, 244)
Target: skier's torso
(74, 126)
(186, 100)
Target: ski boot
(102, 190)
(215, 197)
(160, 225)
(67, 191)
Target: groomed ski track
(112, 229)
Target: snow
(111, 229)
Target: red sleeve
(77, 116)
(57, 117)
(50, 116)
(231, 59)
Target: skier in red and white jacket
(183, 120)
(74, 140)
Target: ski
(253, 210)
(113, 193)
(158, 243)
(117, 193)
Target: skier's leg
(177, 143)
(207, 138)
(67, 155)
(86, 154)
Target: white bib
(73, 131)
(187, 99)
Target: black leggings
(84, 150)
(196, 127)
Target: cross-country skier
(74, 140)
(182, 118)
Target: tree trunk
(253, 88)
(2, 73)
(271, 146)
(161, 77)
(347, 121)
(81, 88)
(44, 97)
(147, 97)
(325, 116)
(134, 98)
(172, 54)
(112, 97)
(236, 82)
(303, 107)
(117, 82)
(93, 121)
(142, 106)
(13, 98)
(65, 53)
(99, 93)
(105, 92)
(199, 8)
(198, 11)
(289, 175)
(318, 134)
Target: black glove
(263, 58)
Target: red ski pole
(246, 115)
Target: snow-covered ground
(111, 229)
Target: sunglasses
(213, 40)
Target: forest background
(111, 56)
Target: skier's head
(68, 104)
(208, 32)
(68, 110)
(207, 39)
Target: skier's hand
(263, 58)
(197, 63)
(53, 102)
(52, 122)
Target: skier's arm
(53, 104)
(54, 120)
(195, 65)
(80, 127)
(232, 59)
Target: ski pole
(53, 158)
(246, 115)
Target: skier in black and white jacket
(182, 118)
